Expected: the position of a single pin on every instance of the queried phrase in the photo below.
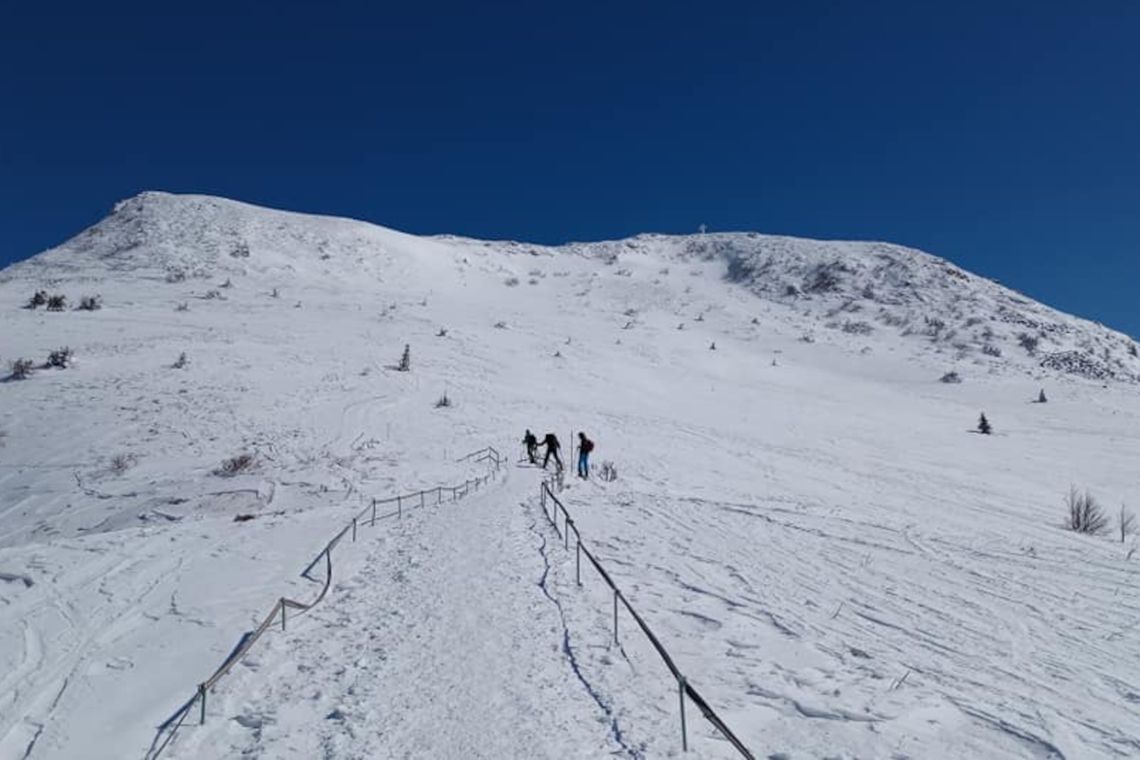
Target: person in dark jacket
(531, 444)
(585, 446)
(552, 448)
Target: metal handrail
(685, 688)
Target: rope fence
(167, 731)
(684, 688)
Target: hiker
(585, 446)
(552, 447)
(531, 444)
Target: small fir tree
(1041, 397)
(406, 360)
(984, 425)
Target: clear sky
(1004, 136)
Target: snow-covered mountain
(840, 567)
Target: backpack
(587, 446)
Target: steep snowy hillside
(802, 510)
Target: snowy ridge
(804, 513)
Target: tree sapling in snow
(1084, 513)
(405, 364)
(984, 426)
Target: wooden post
(373, 513)
(439, 495)
(281, 601)
(566, 541)
(421, 499)
(202, 699)
(400, 506)
(354, 530)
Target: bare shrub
(406, 360)
(443, 401)
(442, 333)
(175, 275)
(181, 362)
(212, 294)
(1126, 523)
(21, 369)
(120, 463)
(511, 282)
(991, 350)
(57, 302)
(235, 465)
(607, 472)
(500, 325)
(240, 251)
(1084, 513)
(39, 298)
(59, 359)
(90, 303)
(182, 307)
(226, 284)
(950, 377)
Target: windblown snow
(802, 511)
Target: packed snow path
(439, 643)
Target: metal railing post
(684, 732)
(615, 616)
(578, 557)
(202, 698)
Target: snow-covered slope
(838, 564)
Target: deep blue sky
(1003, 136)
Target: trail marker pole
(400, 506)
(202, 698)
(354, 530)
(281, 602)
(373, 513)
(421, 499)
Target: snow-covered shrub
(181, 362)
(212, 294)
(857, 328)
(1028, 342)
(607, 472)
(500, 325)
(984, 426)
(443, 401)
(90, 303)
(175, 275)
(21, 369)
(950, 377)
(511, 282)
(442, 333)
(406, 360)
(1041, 399)
(807, 338)
(991, 350)
(182, 306)
(56, 303)
(240, 251)
(227, 284)
(234, 465)
(39, 298)
(1084, 513)
(59, 359)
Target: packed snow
(803, 513)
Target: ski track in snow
(800, 515)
